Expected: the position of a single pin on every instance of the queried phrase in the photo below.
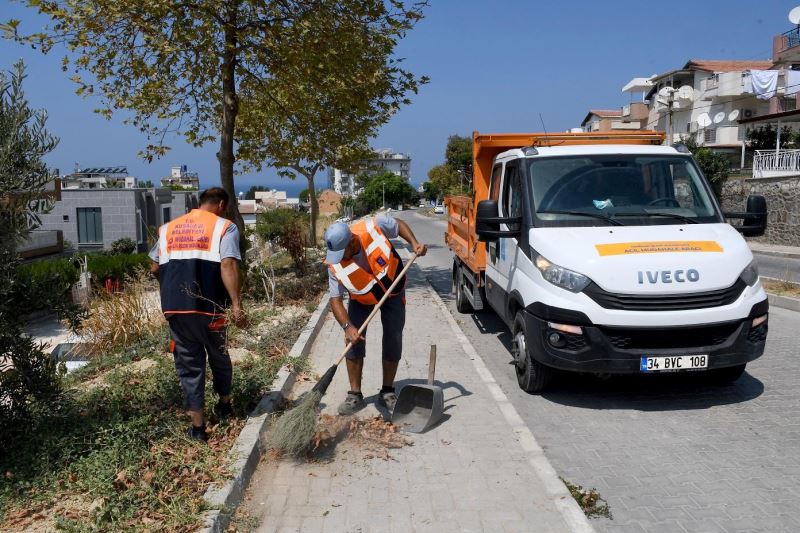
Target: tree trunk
(312, 198)
(230, 108)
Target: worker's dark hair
(214, 195)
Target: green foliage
(123, 246)
(765, 138)
(251, 192)
(716, 167)
(44, 284)
(117, 267)
(304, 195)
(286, 228)
(146, 184)
(394, 188)
(24, 141)
(454, 176)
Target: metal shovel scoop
(419, 406)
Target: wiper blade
(583, 214)
(649, 214)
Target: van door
(493, 286)
(502, 263)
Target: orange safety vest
(190, 264)
(383, 260)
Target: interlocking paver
(469, 473)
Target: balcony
(776, 164)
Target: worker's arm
(404, 230)
(232, 279)
(154, 269)
(340, 313)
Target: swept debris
(375, 436)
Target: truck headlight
(560, 276)
(750, 273)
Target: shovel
(419, 406)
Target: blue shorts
(393, 320)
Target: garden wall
(783, 205)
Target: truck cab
(613, 258)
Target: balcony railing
(790, 39)
(769, 163)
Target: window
(709, 136)
(494, 192)
(166, 214)
(90, 225)
(512, 197)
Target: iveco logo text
(668, 276)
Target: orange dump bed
(460, 236)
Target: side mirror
(487, 222)
(754, 219)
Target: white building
(99, 178)
(383, 160)
(271, 199)
(706, 99)
(181, 177)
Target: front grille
(758, 333)
(665, 302)
(667, 338)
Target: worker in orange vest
(362, 262)
(196, 260)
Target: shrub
(117, 267)
(269, 225)
(123, 246)
(44, 284)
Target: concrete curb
(572, 514)
(246, 451)
(784, 302)
(775, 253)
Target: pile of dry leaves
(375, 436)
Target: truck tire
(532, 376)
(462, 304)
(723, 376)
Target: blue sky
(494, 66)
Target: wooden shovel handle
(379, 304)
(432, 365)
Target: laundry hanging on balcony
(765, 83)
(792, 82)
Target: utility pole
(383, 188)
(670, 104)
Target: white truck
(607, 253)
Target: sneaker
(223, 410)
(387, 399)
(352, 404)
(197, 434)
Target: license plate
(674, 363)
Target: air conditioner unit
(747, 113)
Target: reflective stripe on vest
(343, 274)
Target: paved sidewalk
(473, 472)
(775, 250)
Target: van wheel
(462, 304)
(723, 376)
(532, 376)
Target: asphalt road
(787, 268)
(670, 454)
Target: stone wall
(783, 206)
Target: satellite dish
(794, 15)
(704, 120)
(733, 115)
(686, 92)
(665, 92)
(719, 117)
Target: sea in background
(292, 187)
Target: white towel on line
(792, 82)
(765, 83)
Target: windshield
(594, 190)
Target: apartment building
(629, 117)
(383, 160)
(181, 177)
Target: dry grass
(120, 319)
(781, 287)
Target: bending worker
(363, 262)
(196, 260)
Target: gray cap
(337, 237)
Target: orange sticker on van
(634, 248)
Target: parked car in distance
(421, 205)
(439, 209)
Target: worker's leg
(220, 362)
(357, 313)
(393, 319)
(190, 363)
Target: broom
(294, 430)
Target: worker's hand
(238, 317)
(420, 249)
(351, 335)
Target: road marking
(570, 511)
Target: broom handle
(378, 305)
